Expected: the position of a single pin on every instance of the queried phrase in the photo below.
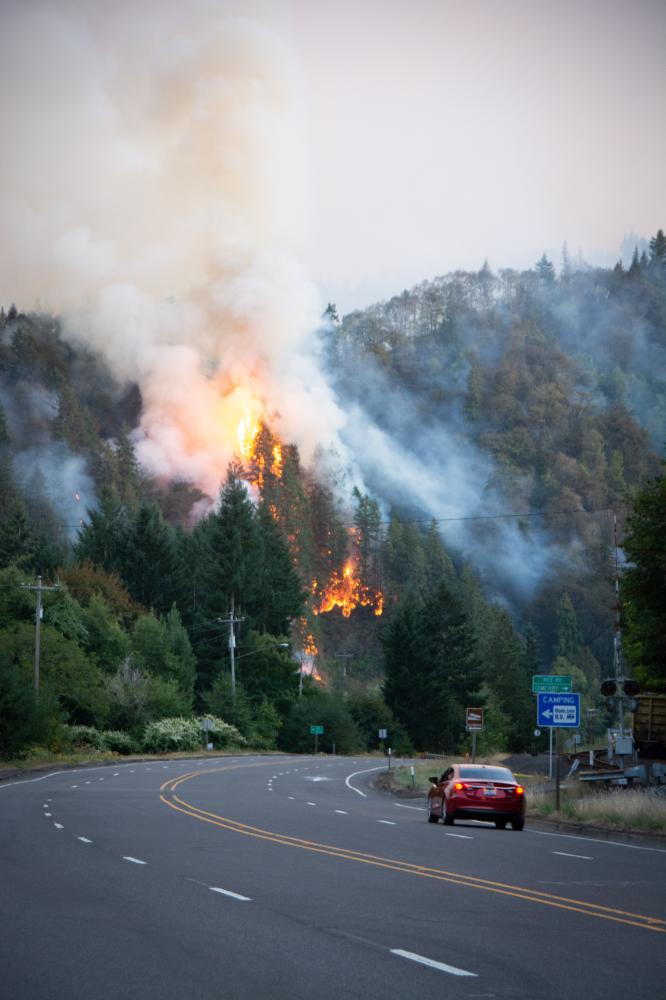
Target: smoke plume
(154, 192)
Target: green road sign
(551, 683)
(316, 730)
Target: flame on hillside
(258, 449)
(346, 591)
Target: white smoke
(153, 190)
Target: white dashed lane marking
(135, 861)
(386, 822)
(460, 836)
(84, 840)
(58, 826)
(431, 963)
(583, 857)
(233, 895)
(343, 812)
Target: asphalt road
(292, 878)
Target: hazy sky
(437, 133)
(443, 132)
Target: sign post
(474, 725)
(558, 711)
(316, 731)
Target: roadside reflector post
(412, 775)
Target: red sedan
(477, 791)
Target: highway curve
(291, 877)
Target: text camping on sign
(474, 719)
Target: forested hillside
(499, 422)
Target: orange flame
(276, 467)
(247, 431)
(347, 592)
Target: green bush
(165, 735)
(79, 737)
(119, 742)
(221, 734)
(180, 733)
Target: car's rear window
(486, 774)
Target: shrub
(178, 733)
(187, 734)
(222, 734)
(84, 736)
(119, 742)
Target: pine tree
(658, 249)
(149, 565)
(103, 540)
(280, 595)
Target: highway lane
(231, 876)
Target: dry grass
(619, 809)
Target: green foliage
(150, 559)
(67, 674)
(433, 669)
(179, 733)
(23, 719)
(644, 584)
(172, 734)
(371, 713)
(160, 647)
(237, 710)
(320, 709)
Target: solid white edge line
(401, 806)
(431, 963)
(366, 771)
(461, 836)
(564, 854)
(135, 861)
(233, 895)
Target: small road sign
(474, 719)
(316, 730)
(382, 734)
(554, 683)
(559, 710)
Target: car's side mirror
(434, 780)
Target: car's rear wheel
(446, 816)
(500, 824)
(517, 824)
(431, 816)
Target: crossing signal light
(608, 688)
(631, 688)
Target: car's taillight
(459, 786)
(520, 790)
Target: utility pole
(231, 621)
(344, 655)
(38, 588)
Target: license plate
(490, 791)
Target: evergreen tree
(367, 521)
(506, 672)
(658, 249)
(280, 596)
(545, 270)
(150, 562)
(103, 541)
(644, 584)
(569, 638)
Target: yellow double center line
(169, 797)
